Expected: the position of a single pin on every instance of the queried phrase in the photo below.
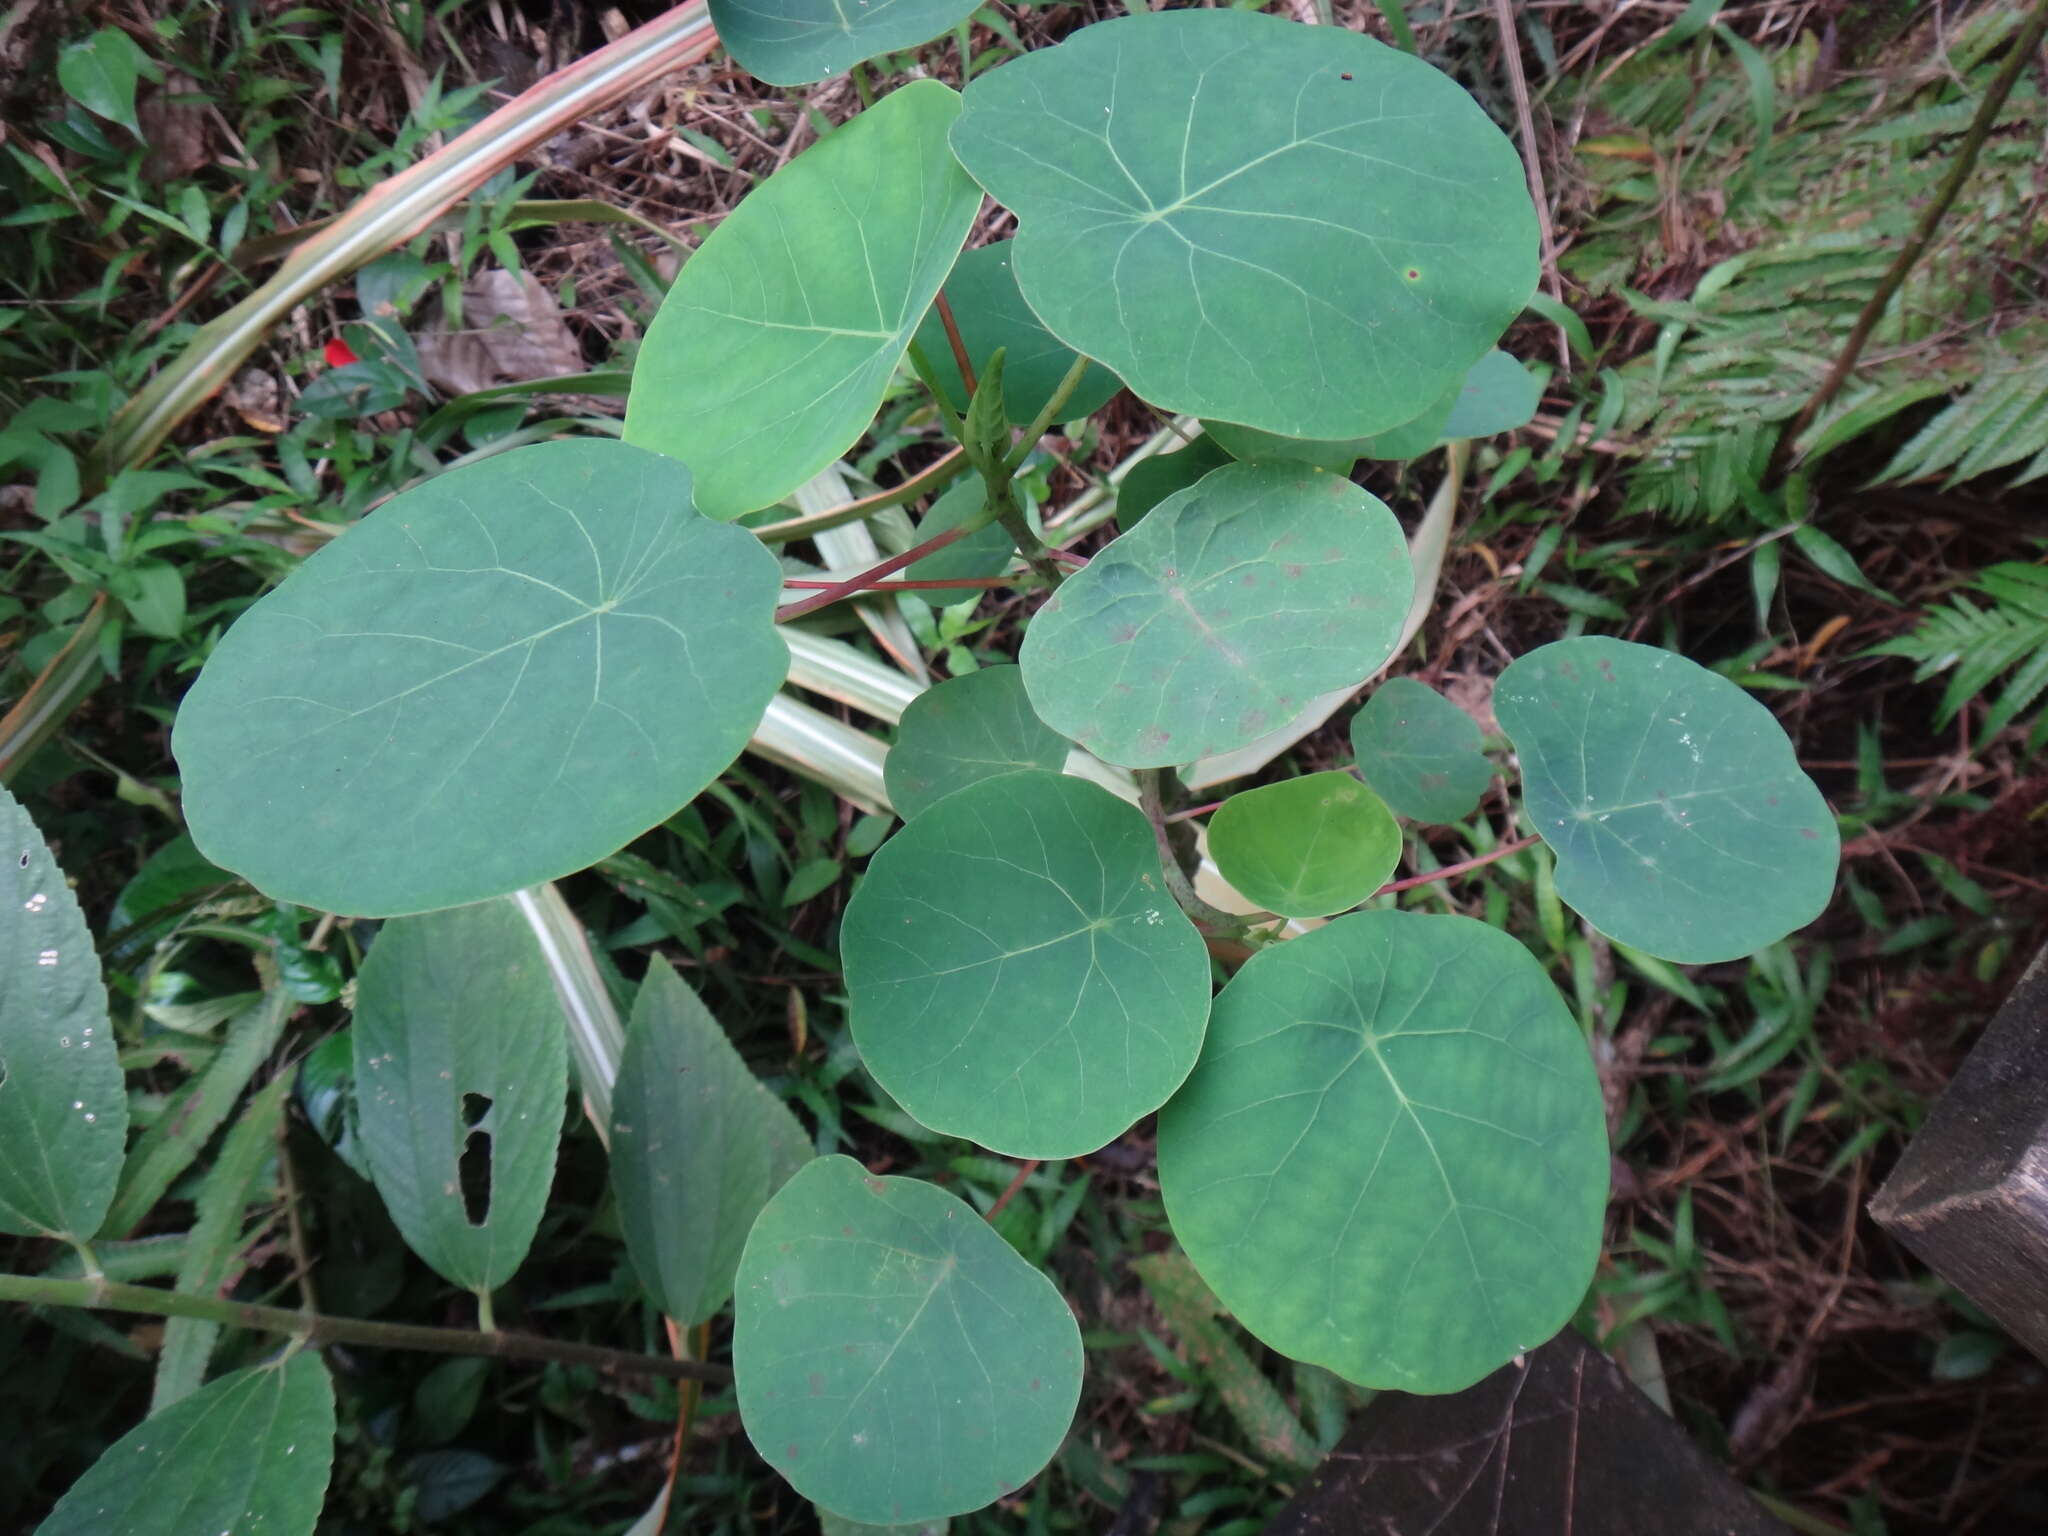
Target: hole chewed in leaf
(474, 1167)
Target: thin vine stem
(152, 1301)
(1151, 800)
(938, 473)
(1451, 871)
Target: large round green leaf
(500, 677)
(1420, 751)
(991, 313)
(1019, 975)
(1682, 823)
(1392, 1160)
(794, 42)
(1305, 847)
(897, 1361)
(63, 1114)
(461, 1069)
(698, 1146)
(773, 349)
(1498, 395)
(1404, 441)
(965, 730)
(249, 1453)
(1295, 228)
(1219, 616)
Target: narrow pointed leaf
(63, 1114)
(897, 1361)
(250, 1452)
(698, 1146)
(991, 313)
(1019, 974)
(461, 1067)
(1682, 822)
(1296, 228)
(1220, 616)
(795, 42)
(551, 640)
(1420, 752)
(773, 349)
(1305, 847)
(1392, 1160)
(967, 729)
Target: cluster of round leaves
(1381, 1144)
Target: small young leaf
(1305, 847)
(774, 347)
(461, 1071)
(1682, 822)
(1294, 228)
(550, 641)
(63, 1114)
(1219, 616)
(249, 1452)
(1420, 751)
(1498, 395)
(796, 42)
(100, 74)
(1019, 975)
(1151, 480)
(1392, 1160)
(897, 1361)
(698, 1147)
(967, 729)
(991, 313)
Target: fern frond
(1979, 644)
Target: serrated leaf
(63, 1114)
(551, 640)
(100, 74)
(1420, 751)
(1297, 229)
(1498, 395)
(249, 1452)
(1151, 480)
(461, 1069)
(897, 1361)
(698, 1147)
(1220, 615)
(1305, 847)
(991, 313)
(1682, 823)
(796, 42)
(967, 729)
(1392, 1160)
(774, 347)
(1019, 975)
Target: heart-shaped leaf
(698, 1146)
(897, 1361)
(461, 1067)
(1498, 395)
(1682, 823)
(1420, 751)
(63, 1114)
(1019, 975)
(1392, 1160)
(1305, 847)
(773, 349)
(100, 75)
(794, 42)
(1294, 228)
(1152, 479)
(249, 1452)
(965, 730)
(1220, 615)
(497, 679)
(991, 313)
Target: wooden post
(1970, 1196)
(1561, 1444)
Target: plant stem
(486, 1317)
(1151, 800)
(865, 580)
(953, 339)
(2024, 47)
(1027, 1168)
(934, 475)
(152, 1301)
(956, 583)
(1451, 871)
(1045, 418)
